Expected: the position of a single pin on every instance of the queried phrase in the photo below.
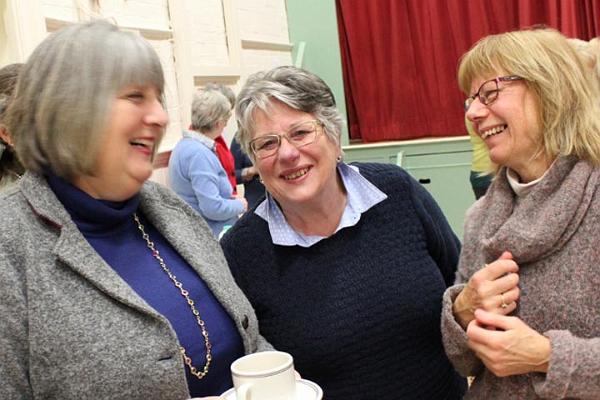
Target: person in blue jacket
(195, 172)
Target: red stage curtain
(400, 57)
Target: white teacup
(268, 375)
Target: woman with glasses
(523, 316)
(345, 265)
(195, 171)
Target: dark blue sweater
(360, 310)
(110, 229)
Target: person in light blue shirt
(195, 172)
(361, 195)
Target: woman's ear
(222, 124)
(4, 136)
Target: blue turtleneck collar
(92, 216)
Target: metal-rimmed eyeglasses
(298, 135)
(488, 91)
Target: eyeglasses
(488, 91)
(299, 135)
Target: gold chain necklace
(186, 359)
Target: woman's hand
(492, 288)
(243, 200)
(248, 173)
(507, 346)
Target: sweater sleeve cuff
(554, 384)
(454, 337)
(239, 206)
(573, 368)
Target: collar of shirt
(205, 140)
(361, 196)
(523, 189)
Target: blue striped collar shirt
(361, 196)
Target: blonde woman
(523, 316)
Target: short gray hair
(8, 80)
(63, 98)
(296, 88)
(4, 99)
(208, 108)
(226, 90)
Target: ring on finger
(503, 304)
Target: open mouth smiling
(296, 175)
(140, 143)
(493, 131)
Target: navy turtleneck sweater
(110, 229)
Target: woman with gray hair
(223, 153)
(10, 167)
(112, 287)
(345, 265)
(195, 171)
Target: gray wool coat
(71, 328)
(554, 236)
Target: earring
(339, 158)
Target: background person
(223, 153)
(10, 167)
(523, 317)
(112, 287)
(345, 265)
(237, 165)
(589, 52)
(247, 174)
(481, 167)
(195, 172)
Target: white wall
(198, 41)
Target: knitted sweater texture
(553, 235)
(360, 310)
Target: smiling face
(510, 127)
(125, 152)
(301, 176)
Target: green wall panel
(442, 166)
(313, 32)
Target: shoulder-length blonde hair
(62, 102)
(560, 82)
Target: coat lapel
(72, 248)
(204, 256)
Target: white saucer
(305, 390)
